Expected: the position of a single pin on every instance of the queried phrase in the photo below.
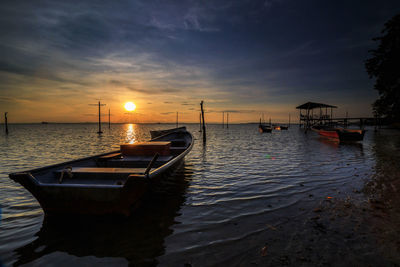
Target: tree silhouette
(384, 65)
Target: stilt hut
(312, 113)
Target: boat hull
(264, 129)
(329, 134)
(158, 133)
(351, 135)
(343, 135)
(85, 199)
(110, 193)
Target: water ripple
(229, 190)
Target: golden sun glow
(130, 106)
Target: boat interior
(114, 168)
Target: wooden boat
(340, 133)
(284, 127)
(110, 183)
(262, 128)
(158, 133)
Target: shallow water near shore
(243, 198)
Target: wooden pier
(312, 113)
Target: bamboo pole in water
(227, 120)
(99, 120)
(5, 121)
(200, 122)
(204, 125)
(99, 104)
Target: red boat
(340, 133)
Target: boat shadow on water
(138, 238)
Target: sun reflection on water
(131, 133)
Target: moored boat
(110, 183)
(340, 133)
(262, 128)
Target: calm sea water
(219, 205)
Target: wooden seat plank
(142, 158)
(77, 170)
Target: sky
(245, 57)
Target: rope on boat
(68, 171)
(147, 171)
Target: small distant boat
(45, 122)
(340, 133)
(262, 128)
(111, 183)
(284, 127)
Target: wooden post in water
(109, 119)
(204, 125)
(227, 120)
(307, 121)
(99, 104)
(200, 121)
(289, 121)
(177, 119)
(99, 121)
(326, 115)
(223, 117)
(299, 117)
(312, 117)
(5, 121)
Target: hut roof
(312, 105)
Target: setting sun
(130, 106)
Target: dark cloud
(9, 67)
(117, 83)
(245, 52)
(7, 99)
(187, 104)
